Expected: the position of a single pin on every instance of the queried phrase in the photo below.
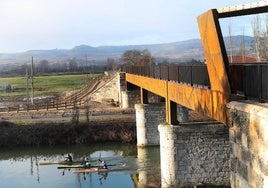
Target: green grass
(44, 85)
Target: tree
(231, 42)
(137, 57)
(147, 57)
(44, 66)
(111, 64)
(265, 45)
(242, 47)
(73, 65)
(256, 27)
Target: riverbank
(112, 129)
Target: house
(245, 59)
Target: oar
(99, 163)
(48, 163)
(59, 162)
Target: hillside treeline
(44, 67)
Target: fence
(193, 75)
(248, 80)
(44, 105)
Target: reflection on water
(21, 167)
(148, 160)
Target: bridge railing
(248, 80)
(193, 75)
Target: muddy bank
(37, 134)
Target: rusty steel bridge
(205, 88)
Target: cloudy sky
(63, 24)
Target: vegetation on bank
(47, 134)
(44, 85)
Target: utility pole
(32, 75)
(86, 64)
(27, 84)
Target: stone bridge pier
(148, 117)
(193, 154)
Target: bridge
(233, 95)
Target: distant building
(244, 59)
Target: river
(137, 167)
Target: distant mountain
(176, 51)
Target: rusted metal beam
(156, 86)
(205, 101)
(215, 53)
(242, 10)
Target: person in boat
(69, 158)
(104, 164)
(86, 162)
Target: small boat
(82, 166)
(100, 169)
(70, 166)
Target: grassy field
(44, 85)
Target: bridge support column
(129, 98)
(194, 153)
(124, 99)
(148, 117)
(122, 85)
(249, 144)
(168, 157)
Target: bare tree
(147, 57)
(137, 57)
(73, 65)
(242, 48)
(265, 45)
(256, 27)
(43, 66)
(231, 42)
(111, 64)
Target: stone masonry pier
(192, 154)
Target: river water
(136, 167)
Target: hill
(176, 51)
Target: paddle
(99, 163)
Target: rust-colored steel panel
(205, 101)
(156, 86)
(215, 53)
